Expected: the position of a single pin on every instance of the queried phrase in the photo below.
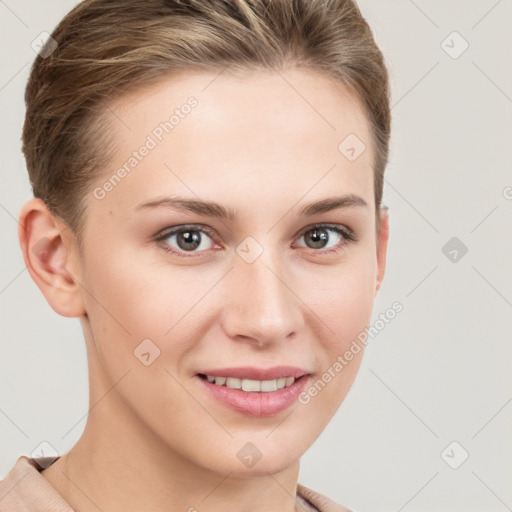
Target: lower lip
(254, 403)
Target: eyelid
(169, 231)
(347, 233)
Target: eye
(194, 239)
(188, 239)
(320, 241)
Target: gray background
(440, 371)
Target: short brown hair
(107, 47)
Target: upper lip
(253, 373)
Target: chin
(245, 459)
(260, 469)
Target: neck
(111, 474)
(118, 464)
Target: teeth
(268, 385)
(252, 385)
(233, 383)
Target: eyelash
(348, 235)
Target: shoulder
(24, 489)
(321, 502)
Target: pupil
(189, 237)
(318, 237)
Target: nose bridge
(261, 305)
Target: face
(176, 291)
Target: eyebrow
(212, 209)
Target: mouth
(255, 392)
(250, 385)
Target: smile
(250, 385)
(254, 391)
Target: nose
(261, 306)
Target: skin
(154, 436)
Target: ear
(382, 246)
(47, 245)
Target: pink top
(24, 489)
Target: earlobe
(46, 244)
(382, 246)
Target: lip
(251, 372)
(257, 403)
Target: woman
(207, 182)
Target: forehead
(277, 130)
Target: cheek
(344, 302)
(343, 298)
(130, 302)
(122, 306)
(350, 310)
(131, 292)
(131, 309)
(347, 307)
